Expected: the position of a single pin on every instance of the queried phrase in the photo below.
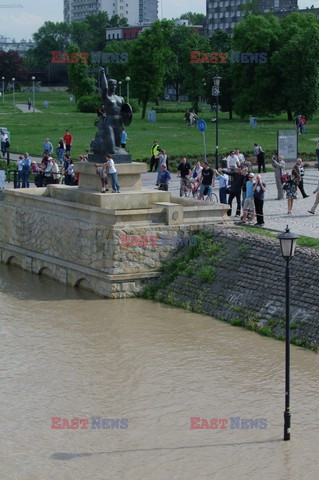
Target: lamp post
(33, 94)
(120, 85)
(288, 245)
(128, 89)
(215, 93)
(13, 96)
(2, 89)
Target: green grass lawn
(28, 131)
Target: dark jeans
(232, 195)
(300, 186)
(223, 195)
(163, 186)
(19, 179)
(259, 205)
(154, 163)
(25, 179)
(261, 163)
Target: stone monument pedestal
(129, 176)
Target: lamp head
(288, 242)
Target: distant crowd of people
(236, 180)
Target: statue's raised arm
(104, 82)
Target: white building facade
(135, 11)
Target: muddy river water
(137, 376)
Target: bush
(135, 106)
(89, 103)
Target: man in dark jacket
(237, 181)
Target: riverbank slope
(239, 277)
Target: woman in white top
(113, 174)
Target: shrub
(135, 106)
(89, 103)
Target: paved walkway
(25, 109)
(276, 218)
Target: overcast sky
(20, 23)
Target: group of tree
(286, 81)
(160, 56)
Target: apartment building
(135, 11)
(224, 14)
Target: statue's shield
(126, 114)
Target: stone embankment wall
(240, 278)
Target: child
(101, 172)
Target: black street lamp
(288, 245)
(215, 93)
(33, 94)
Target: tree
(51, 37)
(220, 42)
(298, 64)
(254, 84)
(146, 64)
(12, 65)
(81, 83)
(194, 18)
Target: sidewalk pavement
(275, 211)
(25, 109)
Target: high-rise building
(136, 11)
(224, 14)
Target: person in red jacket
(68, 140)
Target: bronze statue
(112, 116)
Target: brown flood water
(66, 353)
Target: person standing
(279, 166)
(47, 147)
(48, 174)
(260, 154)
(222, 179)
(238, 178)
(124, 138)
(61, 149)
(154, 156)
(259, 190)
(184, 171)
(317, 153)
(164, 178)
(20, 167)
(4, 139)
(303, 123)
(113, 174)
(315, 205)
(162, 160)
(55, 171)
(29, 103)
(232, 161)
(249, 205)
(300, 173)
(68, 139)
(26, 167)
(291, 189)
(207, 181)
(102, 174)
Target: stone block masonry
(243, 283)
